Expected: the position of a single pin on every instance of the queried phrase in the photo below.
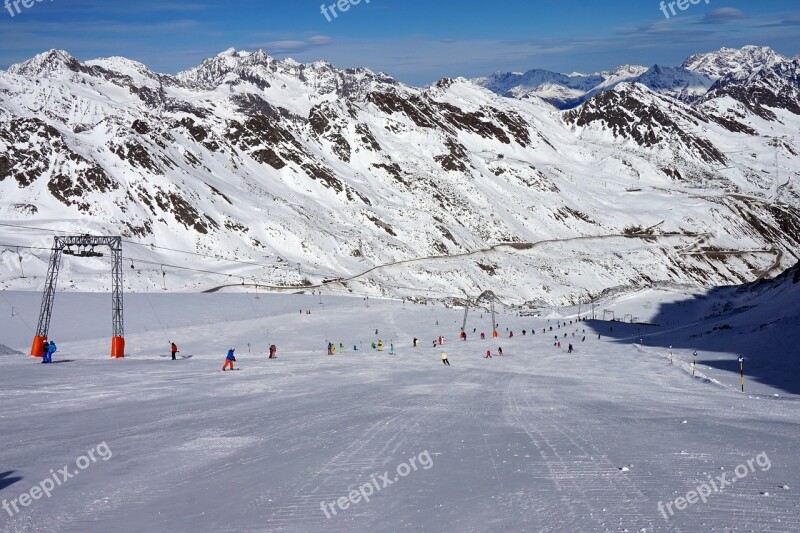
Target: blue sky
(416, 41)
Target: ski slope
(536, 440)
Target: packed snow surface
(535, 440)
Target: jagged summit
(689, 82)
(46, 64)
(732, 61)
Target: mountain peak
(735, 61)
(50, 62)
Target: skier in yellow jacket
(444, 359)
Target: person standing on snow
(273, 351)
(45, 348)
(49, 350)
(229, 359)
(570, 348)
(488, 354)
(499, 351)
(173, 349)
(444, 359)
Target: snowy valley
(636, 231)
(309, 173)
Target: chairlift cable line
(145, 245)
(18, 314)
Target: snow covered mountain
(733, 62)
(562, 90)
(688, 83)
(306, 174)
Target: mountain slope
(318, 173)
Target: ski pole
(694, 364)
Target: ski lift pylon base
(46, 311)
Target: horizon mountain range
(542, 187)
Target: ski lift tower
(85, 248)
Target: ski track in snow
(535, 440)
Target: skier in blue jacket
(49, 350)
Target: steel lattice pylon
(46, 311)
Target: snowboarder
(273, 351)
(416, 342)
(173, 349)
(499, 351)
(380, 346)
(229, 359)
(570, 349)
(444, 359)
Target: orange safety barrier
(37, 348)
(117, 347)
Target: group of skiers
(377, 346)
(489, 352)
(49, 348)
